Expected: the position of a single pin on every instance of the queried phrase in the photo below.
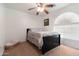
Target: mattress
(36, 36)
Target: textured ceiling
(25, 6)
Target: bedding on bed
(35, 36)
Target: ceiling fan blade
(31, 8)
(50, 5)
(37, 13)
(46, 11)
(39, 4)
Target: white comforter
(36, 37)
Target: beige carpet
(27, 49)
(22, 49)
(63, 51)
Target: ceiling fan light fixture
(42, 7)
(38, 9)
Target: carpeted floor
(63, 50)
(27, 49)
(22, 49)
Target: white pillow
(38, 29)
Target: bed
(42, 39)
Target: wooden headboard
(27, 33)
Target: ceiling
(25, 6)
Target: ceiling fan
(42, 7)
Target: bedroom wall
(67, 25)
(16, 24)
(2, 26)
(70, 27)
(51, 20)
(71, 22)
(2, 29)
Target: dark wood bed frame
(49, 42)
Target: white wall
(51, 20)
(2, 25)
(70, 8)
(16, 24)
(13, 25)
(69, 24)
(73, 7)
(2, 29)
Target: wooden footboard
(50, 42)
